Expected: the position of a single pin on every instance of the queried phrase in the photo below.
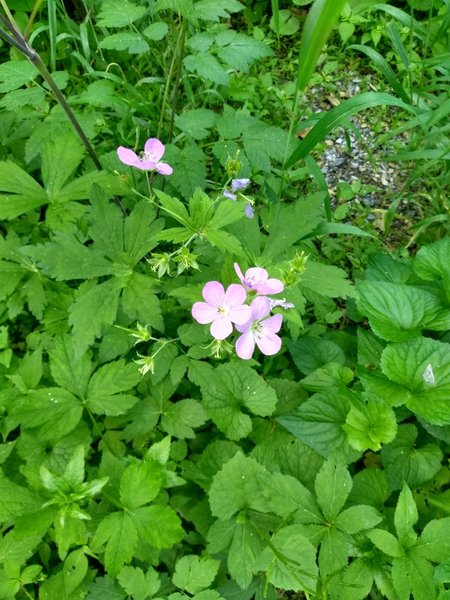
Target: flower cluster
(237, 187)
(225, 308)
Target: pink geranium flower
(257, 280)
(149, 160)
(259, 330)
(222, 308)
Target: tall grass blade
(385, 69)
(336, 116)
(321, 183)
(53, 32)
(318, 25)
(276, 16)
(398, 44)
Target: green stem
(176, 62)
(176, 85)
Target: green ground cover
(224, 300)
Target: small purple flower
(149, 160)
(222, 308)
(248, 211)
(257, 280)
(259, 330)
(229, 195)
(282, 302)
(239, 184)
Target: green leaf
(431, 264)
(181, 417)
(405, 516)
(95, 308)
(105, 587)
(326, 280)
(235, 387)
(370, 423)
(236, 487)
(318, 422)
(196, 122)
(156, 31)
(290, 562)
(357, 518)
(189, 169)
(334, 551)
(15, 73)
(141, 231)
(138, 584)
(194, 573)
(106, 384)
(287, 497)
(133, 42)
(16, 500)
(291, 223)
(119, 13)
(422, 367)
(68, 579)
(224, 241)
(319, 22)
(239, 51)
(243, 553)
(23, 193)
(397, 312)
(370, 486)
(120, 534)
(65, 258)
(214, 10)
(140, 484)
(336, 116)
(405, 462)
(434, 543)
(385, 541)
(333, 485)
(55, 411)
(159, 526)
(207, 67)
(140, 302)
(70, 374)
(310, 353)
(70, 153)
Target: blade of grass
(321, 19)
(52, 32)
(385, 69)
(321, 183)
(337, 115)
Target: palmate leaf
(69, 151)
(15, 500)
(139, 585)
(119, 13)
(106, 384)
(15, 73)
(133, 42)
(140, 484)
(214, 10)
(119, 532)
(245, 549)
(95, 307)
(239, 50)
(194, 573)
(23, 193)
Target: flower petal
(127, 156)
(255, 276)
(239, 273)
(271, 286)
(273, 323)
(248, 211)
(154, 149)
(214, 294)
(164, 168)
(145, 165)
(235, 295)
(240, 314)
(239, 184)
(268, 342)
(229, 195)
(260, 308)
(245, 345)
(221, 328)
(204, 313)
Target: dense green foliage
(140, 457)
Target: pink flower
(259, 330)
(222, 308)
(257, 280)
(149, 160)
